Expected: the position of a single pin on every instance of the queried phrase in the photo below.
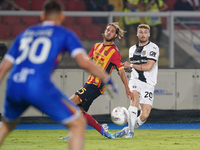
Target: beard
(143, 40)
(108, 40)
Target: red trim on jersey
(91, 53)
(93, 80)
(108, 51)
(79, 98)
(99, 83)
(102, 48)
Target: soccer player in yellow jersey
(107, 56)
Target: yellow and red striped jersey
(107, 57)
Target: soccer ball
(119, 116)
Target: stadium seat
(37, 4)
(92, 32)
(177, 26)
(102, 27)
(170, 4)
(75, 5)
(29, 20)
(11, 20)
(193, 27)
(164, 22)
(25, 4)
(197, 18)
(83, 20)
(77, 29)
(68, 21)
(5, 32)
(63, 2)
(1, 19)
(18, 28)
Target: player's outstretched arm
(4, 68)
(141, 67)
(122, 75)
(144, 67)
(89, 66)
(95, 70)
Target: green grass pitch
(144, 139)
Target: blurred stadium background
(177, 96)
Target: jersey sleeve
(131, 51)
(90, 55)
(116, 59)
(153, 53)
(12, 53)
(73, 44)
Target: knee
(134, 102)
(81, 121)
(78, 124)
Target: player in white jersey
(144, 63)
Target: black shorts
(87, 94)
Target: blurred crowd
(107, 5)
(155, 23)
(9, 5)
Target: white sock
(132, 117)
(138, 122)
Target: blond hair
(120, 32)
(143, 26)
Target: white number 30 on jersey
(31, 51)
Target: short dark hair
(52, 6)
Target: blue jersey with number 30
(39, 46)
(34, 55)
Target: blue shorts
(47, 98)
(87, 94)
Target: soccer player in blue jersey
(32, 58)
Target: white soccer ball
(119, 116)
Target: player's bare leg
(144, 114)
(145, 111)
(77, 133)
(75, 99)
(102, 129)
(6, 128)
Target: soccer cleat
(130, 135)
(120, 133)
(63, 138)
(106, 133)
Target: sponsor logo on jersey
(152, 53)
